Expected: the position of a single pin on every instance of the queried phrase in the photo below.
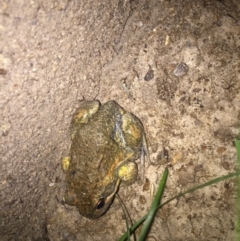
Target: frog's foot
(65, 163)
(128, 172)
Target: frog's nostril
(101, 203)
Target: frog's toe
(128, 172)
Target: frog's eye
(101, 203)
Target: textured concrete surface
(175, 64)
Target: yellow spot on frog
(65, 163)
(128, 172)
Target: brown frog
(106, 140)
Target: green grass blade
(127, 217)
(237, 225)
(214, 181)
(237, 144)
(152, 212)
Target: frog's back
(104, 139)
(93, 146)
(108, 113)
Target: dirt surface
(174, 64)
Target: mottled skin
(105, 142)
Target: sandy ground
(174, 64)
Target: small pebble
(149, 75)
(180, 70)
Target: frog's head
(101, 202)
(95, 203)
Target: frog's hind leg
(135, 139)
(83, 114)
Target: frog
(106, 140)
